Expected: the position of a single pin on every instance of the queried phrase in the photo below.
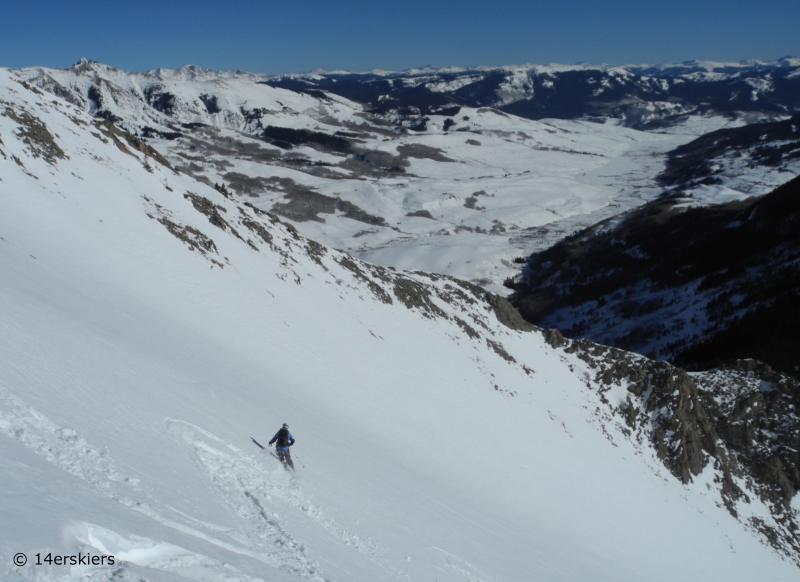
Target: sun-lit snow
(534, 181)
(136, 367)
(473, 192)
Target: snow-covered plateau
(151, 324)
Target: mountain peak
(83, 65)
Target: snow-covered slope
(737, 162)
(474, 190)
(150, 324)
(438, 170)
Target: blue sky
(296, 36)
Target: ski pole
(299, 461)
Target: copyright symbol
(20, 559)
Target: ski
(265, 449)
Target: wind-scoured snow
(150, 325)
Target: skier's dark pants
(285, 458)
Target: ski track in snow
(68, 450)
(250, 492)
(133, 550)
(255, 493)
(159, 555)
(242, 483)
(62, 446)
(462, 568)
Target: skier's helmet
(286, 426)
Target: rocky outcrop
(740, 421)
(755, 410)
(35, 135)
(506, 314)
(665, 403)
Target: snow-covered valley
(150, 324)
(463, 190)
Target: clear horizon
(273, 38)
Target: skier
(283, 439)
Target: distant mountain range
(641, 96)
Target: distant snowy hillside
(736, 162)
(692, 285)
(150, 324)
(460, 190)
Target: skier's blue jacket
(283, 443)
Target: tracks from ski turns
(271, 505)
(273, 521)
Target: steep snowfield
(149, 326)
